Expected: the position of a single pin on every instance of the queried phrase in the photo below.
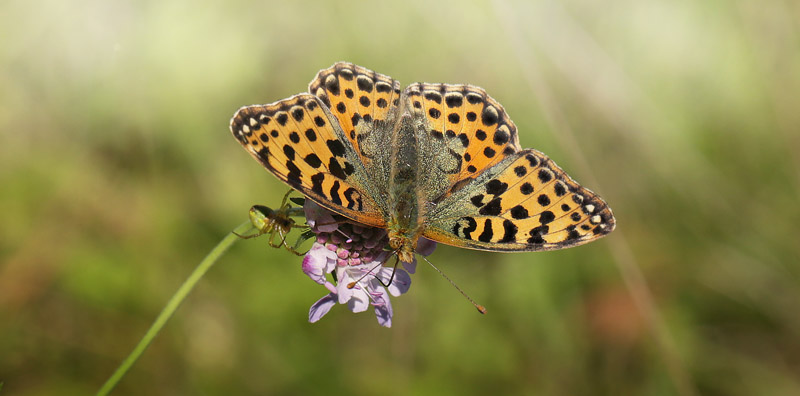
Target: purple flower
(355, 255)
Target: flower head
(354, 255)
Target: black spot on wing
(509, 232)
(332, 85)
(295, 175)
(543, 200)
(536, 234)
(489, 116)
(383, 87)
(477, 200)
(474, 98)
(532, 160)
(336, 147)
(545, 175)
(465, 231)
(263, 155)
(346, 74)
(316, 183)
(454, 100)
(282, 119)
(496, 187)
(298, 114)
(519, 212)
(289, 151)
(501, 137)
(364, 83)
(486, 235)
(353, 199)
(492, 208)
(572, 234)
(334, 193)
(336, 169)
(434, 96)
(311, 135)
(313, 160)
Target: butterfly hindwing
(524, 203)
(300, 142)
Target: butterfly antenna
(479, 307)
(354, 283)
(394, 269)
(396, 260)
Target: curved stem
(172, 306)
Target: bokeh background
(118, 174)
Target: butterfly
(435, 160)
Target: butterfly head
(403, 245)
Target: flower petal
(400, 283)
(321, 307)
(344, 293)
(315, 263)
(319, 218)
(410, 267)
(383, 307)
(425, 246)
(359, 302)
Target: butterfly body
(406, 201)
(435, 160)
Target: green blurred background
(118, 174)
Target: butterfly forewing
(357, 97)
(297, 140)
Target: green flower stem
(173, 304)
